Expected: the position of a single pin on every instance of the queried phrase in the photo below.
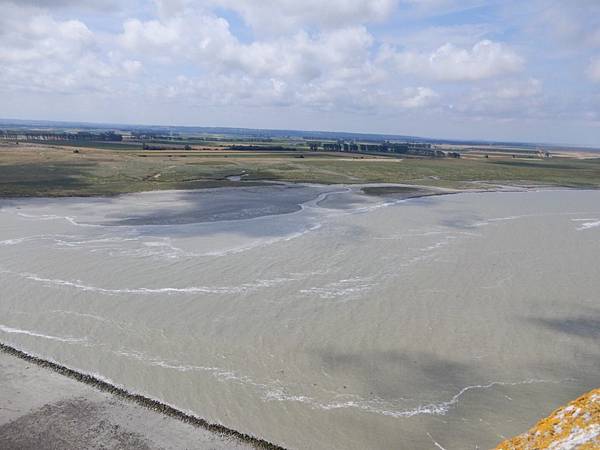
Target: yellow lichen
(575, 426)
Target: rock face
(575, 426)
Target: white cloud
(266, 16)
(517, 89)
(573, 23)
(39, 37)
(42, 54)
(154, 35)
(132, 67)
(418, 97)
(431, 38)
(486, 59)
(206, 41)
(510, 99)
(89, 5)
(316, 59)
(333, 69)
(593, 71)
(443, 6)
(167, 8)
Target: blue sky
(498, 70)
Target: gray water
(316, 317)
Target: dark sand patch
(402, 192)
(69, 425)
(225, 204)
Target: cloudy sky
(485, 69)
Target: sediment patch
(138, 399)
(69, 425)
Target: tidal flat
(314, 316)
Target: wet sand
(404, 191)
(41, 409)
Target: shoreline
(137, 399)
(398, 190)
(34, 170)
(385, 192)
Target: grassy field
(42, 170)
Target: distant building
(332, 147)
(409, 148)
(35, 135)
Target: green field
(42, 170)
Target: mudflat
(44, 410)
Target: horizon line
(108, 124)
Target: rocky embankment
(575, 426)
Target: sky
(458, 69)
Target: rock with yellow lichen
(575, 426)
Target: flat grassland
(50, 170)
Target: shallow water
(316, 317)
